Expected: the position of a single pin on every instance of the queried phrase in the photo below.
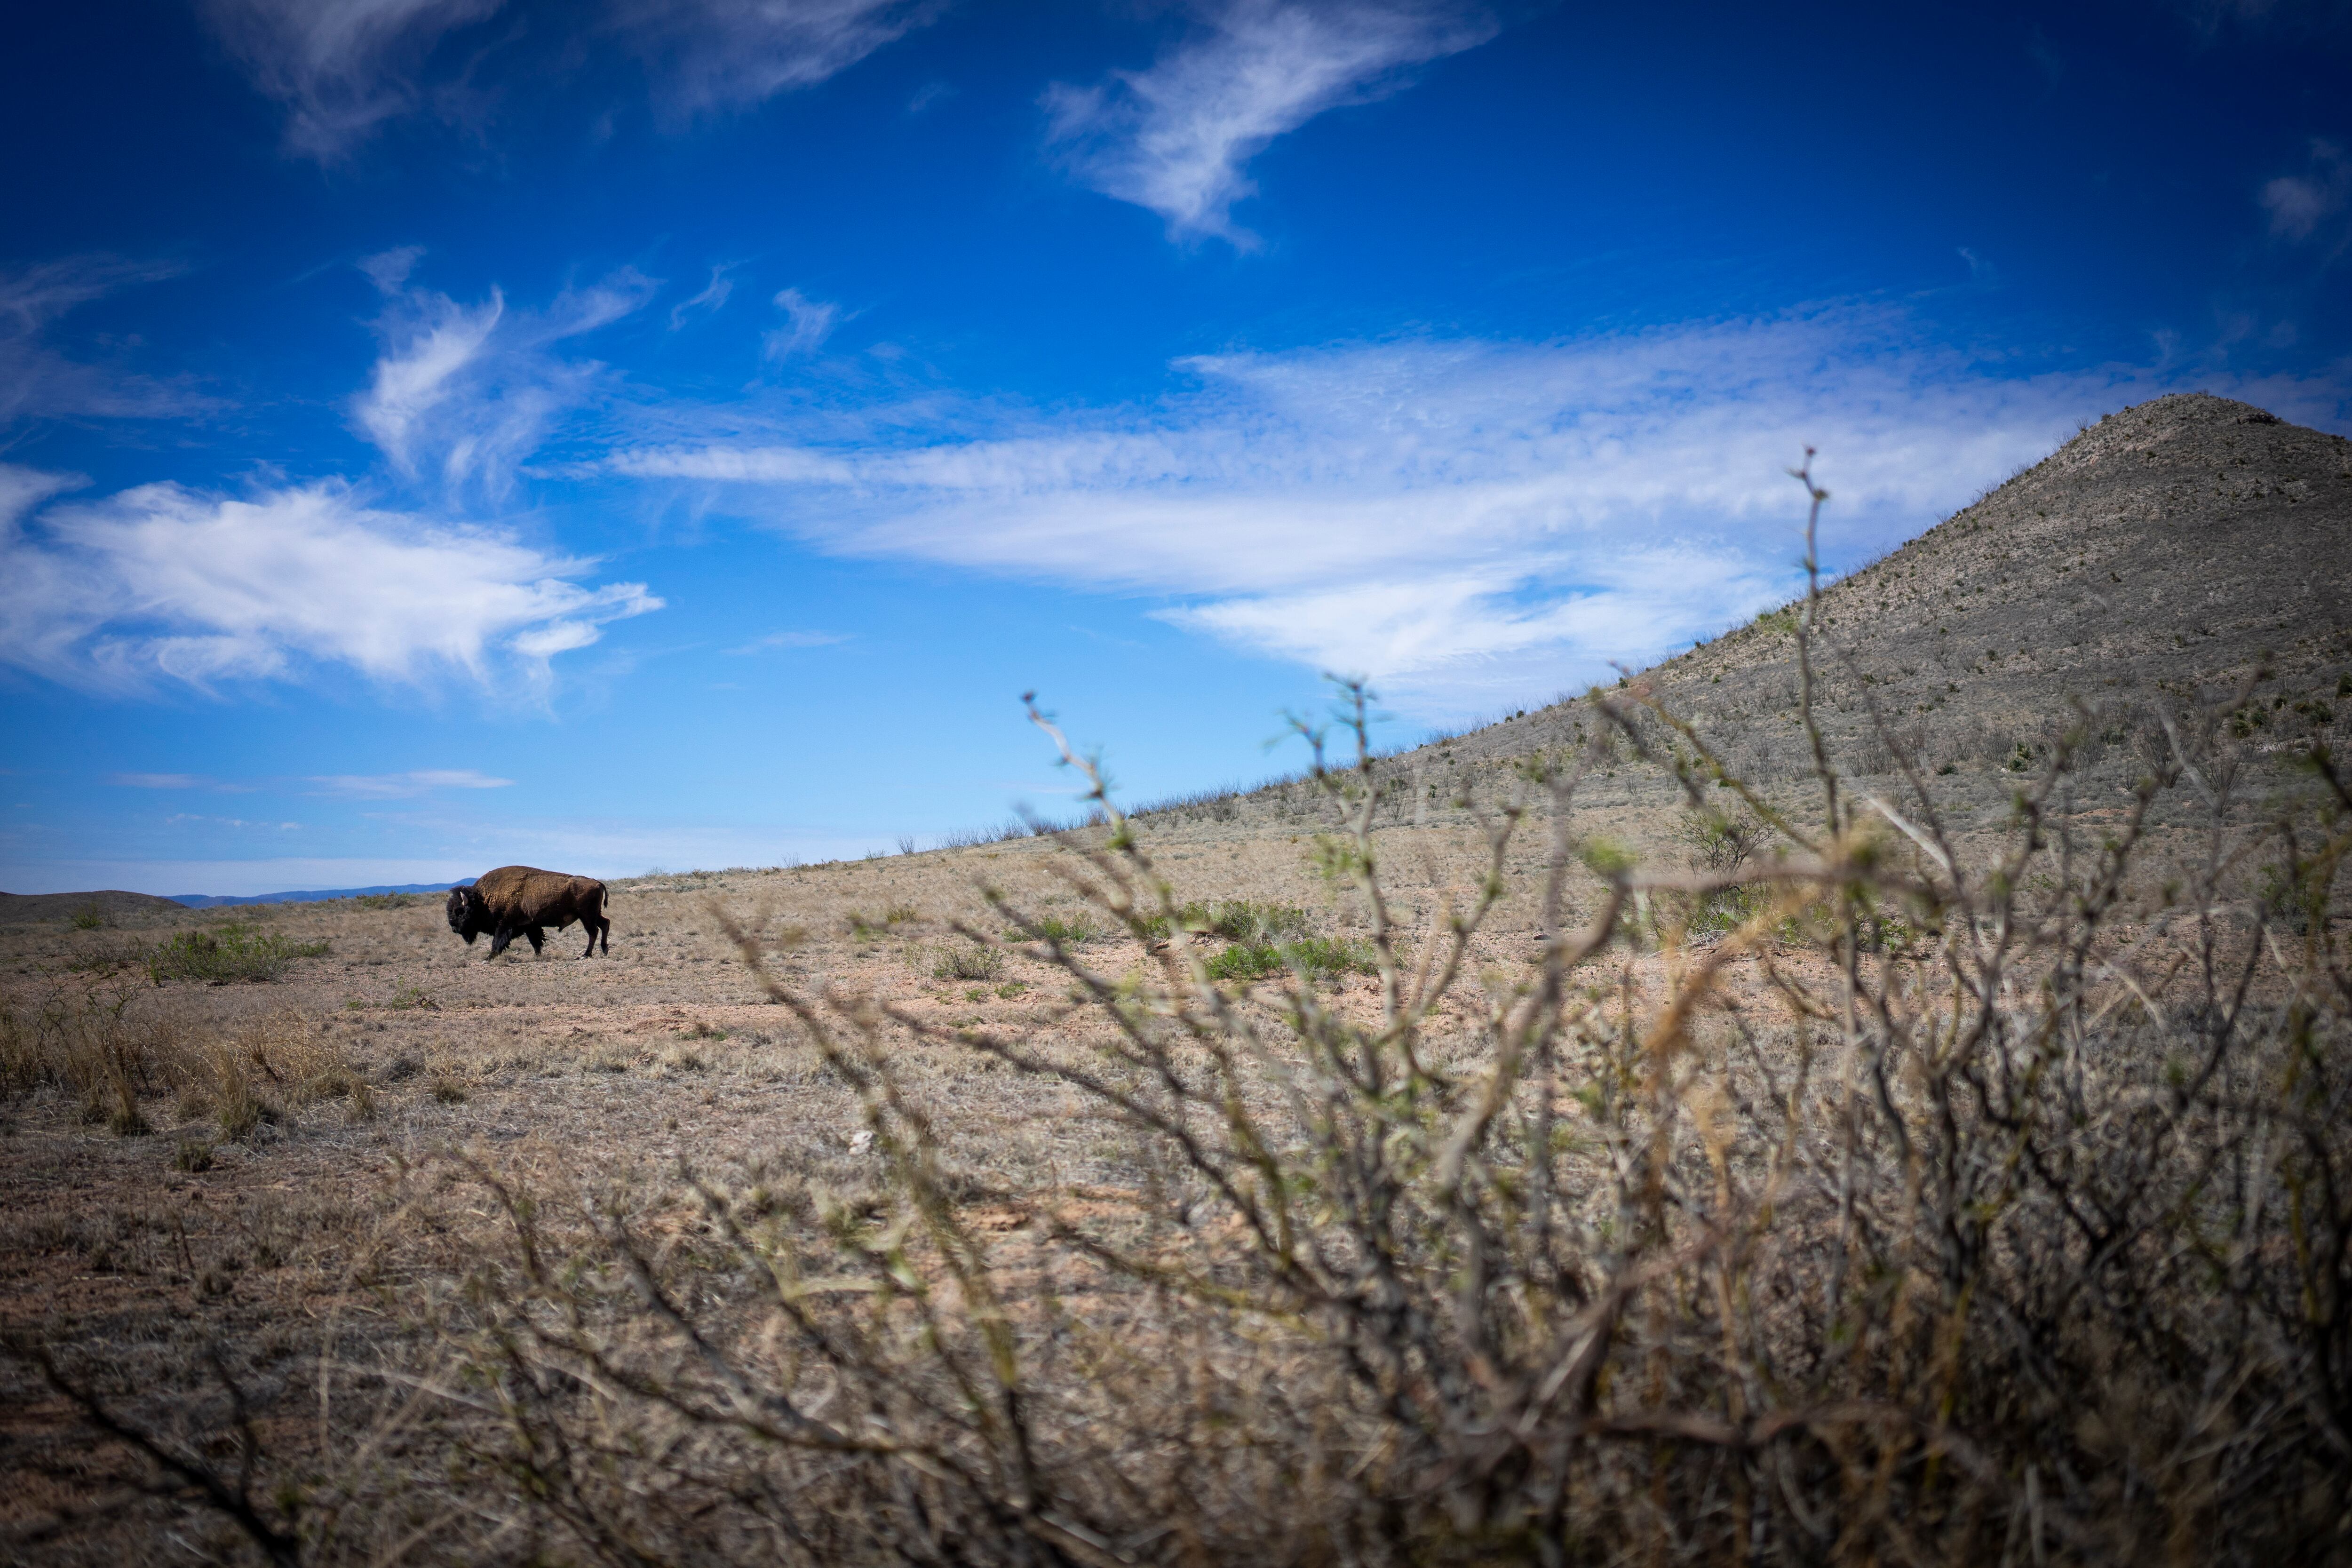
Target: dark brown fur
(522, 900)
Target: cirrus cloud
(472, 390)
(1176, 137)
(401, 786)
(2313, 204)
(1461, 519)
(341, 67)
(38, 382)
(712, 55)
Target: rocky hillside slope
(111, 906)
(2177, 548)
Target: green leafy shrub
(1246, 961)
(1315, 956)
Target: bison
(522, 901)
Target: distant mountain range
(316, 895)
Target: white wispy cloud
(1464, 520)
(473, 389)
(341, 67)
(38, 381)
(712, 297)
(807, 323)
(1177, 137)
(164, 584)
(2315, 203)
(791, 640)
(159, 780)
(230, 878)
(401, 786)
(724, 54)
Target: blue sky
(438, 433)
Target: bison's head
(468, 917)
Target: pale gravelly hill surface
(112, 905)
(2178, 547)
(2184, 543)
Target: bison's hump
(531, 893)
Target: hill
(2186, 545)
(316, 896)
(112, 905)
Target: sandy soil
(322, 1227)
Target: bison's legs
(501, 938)
(538, 935)
(593, 922)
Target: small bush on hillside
(1054, 928)
(968, 961)
(1718, 845)
(864, 927)
(1235, 920)
(90, 917)
(225, 954)
(1315, 956)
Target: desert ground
(574, 1070)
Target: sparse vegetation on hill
(227, 953)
